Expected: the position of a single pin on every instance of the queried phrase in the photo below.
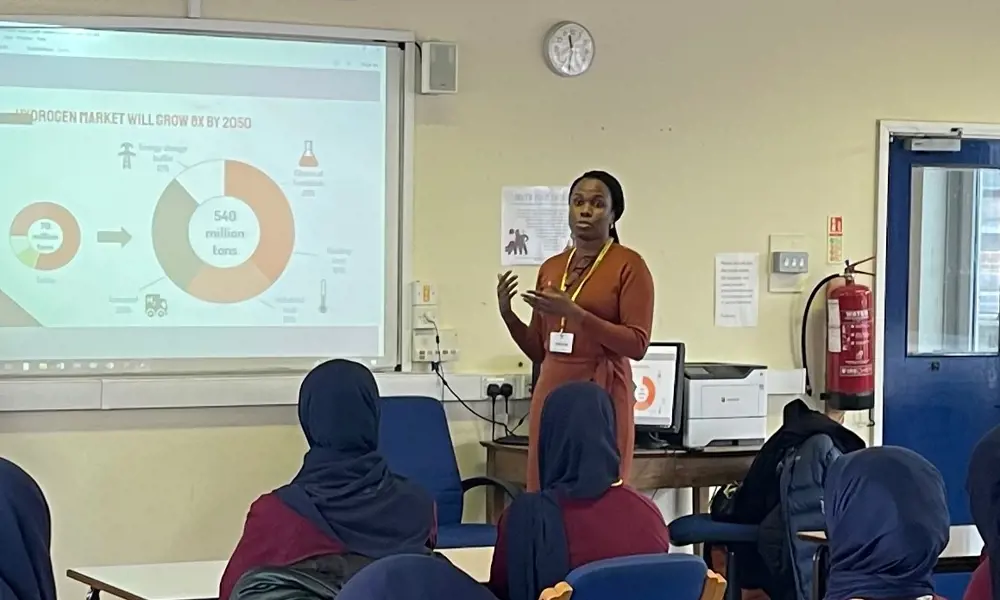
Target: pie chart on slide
(44, 236)
(223, 231)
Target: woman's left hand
(551, 301)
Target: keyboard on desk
(513, 440)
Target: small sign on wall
(834, 240)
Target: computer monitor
(659, 394)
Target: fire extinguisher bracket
(838, 401)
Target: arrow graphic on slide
(121, 237)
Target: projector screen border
(220, 26)
(399, 232)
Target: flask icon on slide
(308, 158)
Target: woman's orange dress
(618, 299)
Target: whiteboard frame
(402, 245)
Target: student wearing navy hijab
(25, 537)
(344, 501)
(983, 487)
(583, 513)
(886, 523)
(412, 577)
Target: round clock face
(569, 49)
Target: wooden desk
(200, 580)
(651, 470)
(961, 555)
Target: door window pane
(954, 290)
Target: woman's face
(590, 213)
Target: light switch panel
(790, 263)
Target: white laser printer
(726, 404)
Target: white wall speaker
(438, 68)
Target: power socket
(425, 317)
(426, 348)
(517, 384)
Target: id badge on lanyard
(561, 341)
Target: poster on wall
(534, 223)
(737, 289)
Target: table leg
(94, 594)
(495, 500)
(699, 504)
(699, 500)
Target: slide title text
(131, 119)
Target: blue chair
(408, 576)
(661, 576)
(701, 529)
(415, 441)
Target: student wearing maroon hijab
(582, 513)
(344, 502)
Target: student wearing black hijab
(583, 512)
(592, 311)
(983, 487)
(25, 538)
(887, 522)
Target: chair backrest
(412, 577)
(415, 441)
(661, 576)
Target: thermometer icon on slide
(322, 295)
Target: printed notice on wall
(534, 223)
(737, 289)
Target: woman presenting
(592, 310)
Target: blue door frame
(938, 405)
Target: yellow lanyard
(586, 276)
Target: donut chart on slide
(645, 394)
(45, 236)
(241, 223)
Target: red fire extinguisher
(850, 339)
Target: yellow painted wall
(726, 120)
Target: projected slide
(158, 205)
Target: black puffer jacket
(783, 494)
(314, 579)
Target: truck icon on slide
(156, 305)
